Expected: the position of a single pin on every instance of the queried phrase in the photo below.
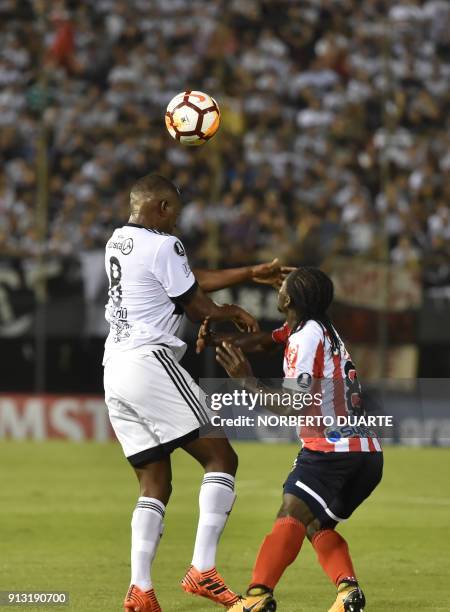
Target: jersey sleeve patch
(179, 249)
(304, 380)
(171, 268)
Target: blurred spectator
(335, 131)
(405, 253)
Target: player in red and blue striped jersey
(337, 468)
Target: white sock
(146, 532)
(216, 501)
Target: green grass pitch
(65, 514)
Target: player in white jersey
(337, 468)
(154, 405)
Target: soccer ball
(192, 117)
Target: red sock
(279, 549)
(333, 554)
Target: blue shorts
(333, 485)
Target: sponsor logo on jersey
(127, 246)
(332, 435)
(124, 246)
(291, 360)
(179, 249)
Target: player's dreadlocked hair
(311, 292)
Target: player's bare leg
(147, 526)
(216, 499)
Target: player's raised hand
(233, 360)
(204, 335)
(270, 273)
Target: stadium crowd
(334, 139)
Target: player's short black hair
(153, 185)
(312, 292)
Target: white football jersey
(147, 270)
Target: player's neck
(292, 319)
(144, 222)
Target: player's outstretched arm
(271, 273)
(249, 342)
(171, 268)
(198, 306)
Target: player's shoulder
(311, 330)
(281, 334)
(120, 241)
(148, 234)
(131, 236)
(169, 244)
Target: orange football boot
(137, 600)
(209, 584)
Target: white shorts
(154, 405)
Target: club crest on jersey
(179, 249)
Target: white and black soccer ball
(192, 117)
